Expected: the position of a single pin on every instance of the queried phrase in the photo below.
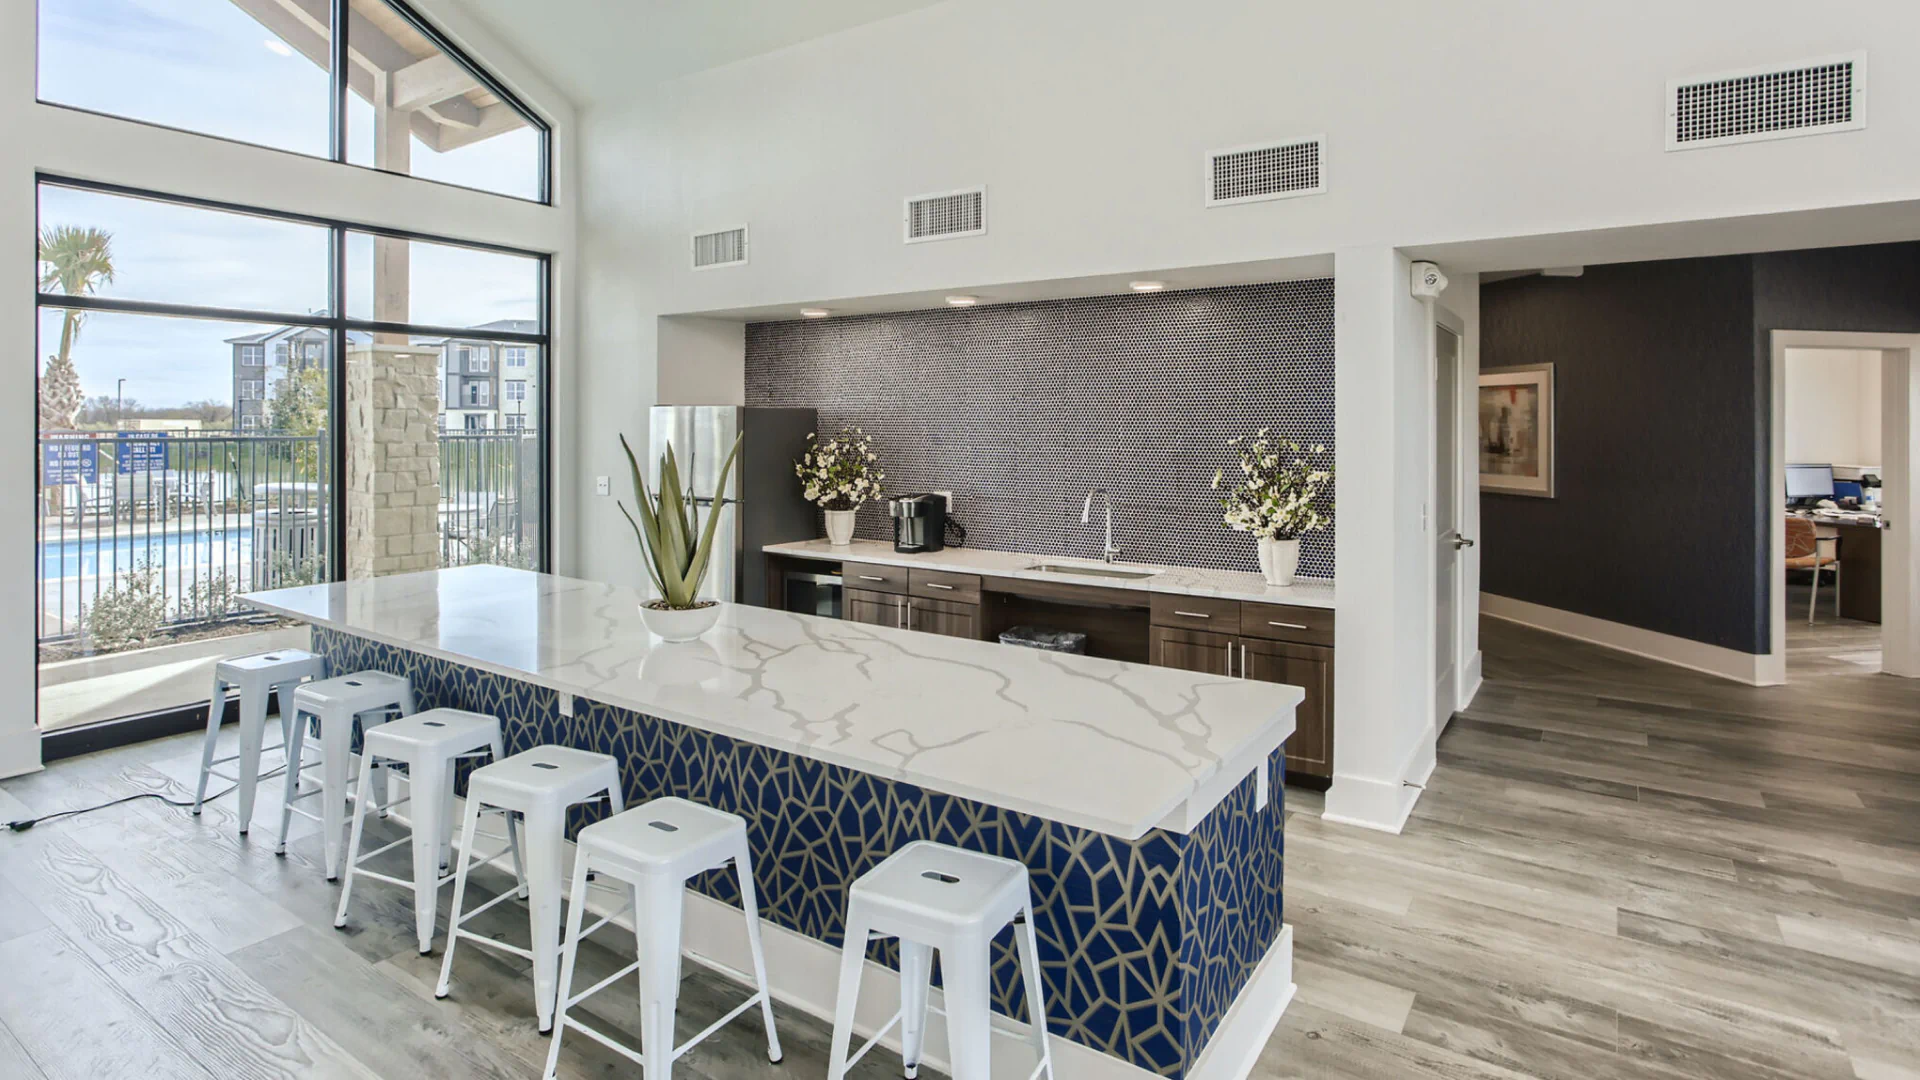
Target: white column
(1383, 730)
(19, 737)
(1900, 553)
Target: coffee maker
(920, 524)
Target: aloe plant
(669, 524)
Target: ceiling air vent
(721, 247)
(1810, 98)
(1271, 171)
(946, 215)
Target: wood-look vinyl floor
(1618, 870)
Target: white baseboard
(1475, 677)
(1751, 669)
(804, 974)
(1380, 803)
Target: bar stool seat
(932, 896)
(256, 677)
(539, 785)
(335, 704)
(657, 848)
(427, 743)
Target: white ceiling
(603, 50)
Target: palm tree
(73, 262)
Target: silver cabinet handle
(871, 577)
(1194, 614)
(1288, 625)
(1229, 659)
(1243, 659)
(937, 585)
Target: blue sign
(69, 461)
(145, 452)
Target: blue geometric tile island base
(1143, 944)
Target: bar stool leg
(468, 829)
(216, 708)
(575, 912)
(296, 743)
(656, 924)
(547, 828)
(853, 958)
(963, 971)
(916, 976)
(253, 724)
(749, 905)
(1028, 946)
(353, 843)
(427, 782)
(336, 744)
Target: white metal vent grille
(1272, 171)
(722, 247)
(946, 215)
(1772, 103)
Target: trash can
(1039, 637)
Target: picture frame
(1516, 430)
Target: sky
(205, 65)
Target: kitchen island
(1140, 798)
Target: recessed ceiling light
(1146, 286)
(963, 301)
(814, 313)
(275, 45)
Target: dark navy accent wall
(1021, 409)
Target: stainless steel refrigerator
(764, 505)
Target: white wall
(43, 138)
(1833, 406)
(1088, 120)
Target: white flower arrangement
(840, 473)
(1278, 493)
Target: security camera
(1428, 281)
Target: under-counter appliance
(812, 594)
(763, 506)
(920, 524)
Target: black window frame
(338, 92)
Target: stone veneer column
(393, 459)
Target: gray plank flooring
(1618, 870)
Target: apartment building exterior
(261, 361)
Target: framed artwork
(1516, 430)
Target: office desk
(1859, 564)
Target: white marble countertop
(1176, 580)
(1114, 747)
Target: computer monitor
(1807, 482)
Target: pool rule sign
(69, 461)
(140, 453)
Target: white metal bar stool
(334, 704)
(427, 744)
(657, 848)
(932, 896)
(256, 677)
(539, 785)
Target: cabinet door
(943, 617)
(1310, 667)
(1191, 650)
(873, 608)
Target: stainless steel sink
(1093, 571)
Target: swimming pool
(91, 556)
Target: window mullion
(337, 73)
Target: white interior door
(1446, 518)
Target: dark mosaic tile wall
(1020, 409)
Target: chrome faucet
(1111, 553)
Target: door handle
(1194, 614)
(1461, 542)
(1229, 659)
(937, 585)
(871, 577)
(1288, 625)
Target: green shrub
(127, 615)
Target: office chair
(1803, 553)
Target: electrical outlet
(566, 704)
(602, 485)
(949, 497)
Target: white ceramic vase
(680, 624)
(1279, 559)
(840, 527)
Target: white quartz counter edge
(1170, 580)
(1178, 815)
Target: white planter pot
(1279, 559)
(680, 624)
(840, 527)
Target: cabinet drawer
(943, 617)
(1197, 613)
(940, 585)
(1279, 622)
(874, 577)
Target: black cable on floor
(23, 824)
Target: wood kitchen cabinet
(1310, 667)
(1191, 650)
(943, 617)
(873, 608)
